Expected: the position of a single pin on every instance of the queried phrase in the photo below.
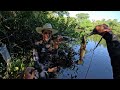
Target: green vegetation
(21, 26)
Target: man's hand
(59, 38)
(101, 29)
(29, 73)
(54, 69)
(57, 41)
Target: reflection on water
(100, 67)
(96, 38)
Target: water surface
(100, 67)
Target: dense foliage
(17, 29)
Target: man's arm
(113, 44)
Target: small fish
(82, 50)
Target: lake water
(100, 67)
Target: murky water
(100, 67)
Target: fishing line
(92, 57)
(89, 65)
(90, 61)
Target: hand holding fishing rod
(101, 30)
(113, 47)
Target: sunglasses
(46, 32)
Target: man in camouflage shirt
(44, 49)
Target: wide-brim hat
(47, 26)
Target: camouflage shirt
(43, 50)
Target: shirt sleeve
(113, 44)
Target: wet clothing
(113, 46)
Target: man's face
(47, 33)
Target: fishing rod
(93, 54)
(99, 41)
